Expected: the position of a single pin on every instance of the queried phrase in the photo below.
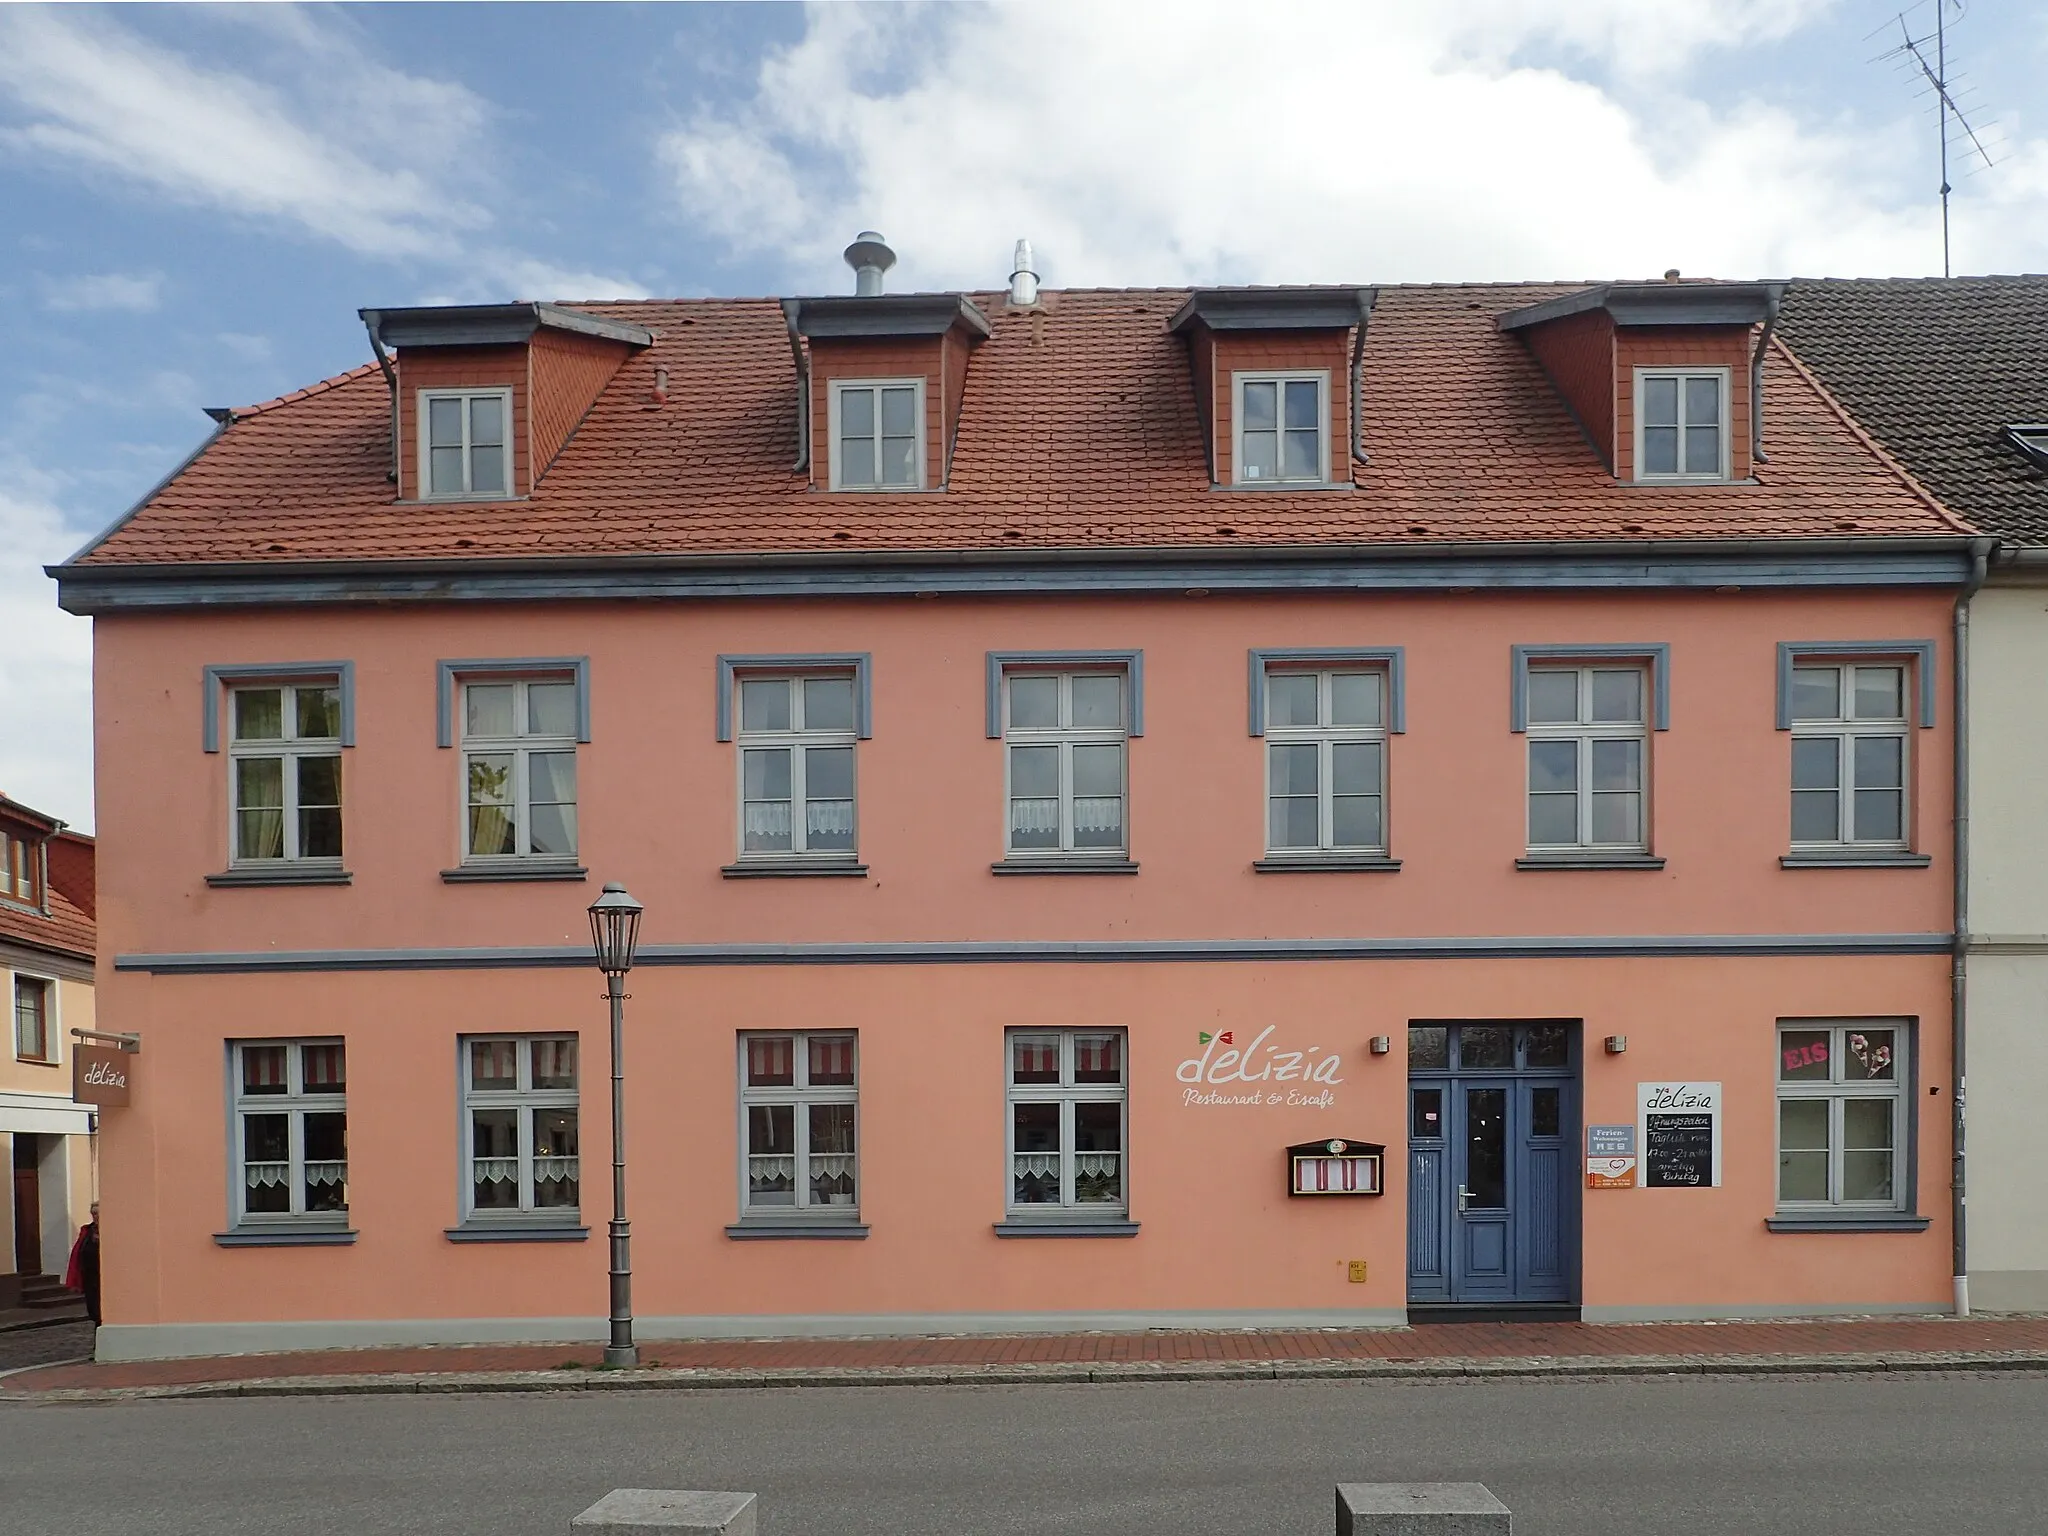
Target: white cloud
(47, 676)
(110, 290)
(320, 148)
(1354, 143)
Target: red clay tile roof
(1087, 439)
(66, 930)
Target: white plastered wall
(2008, 964)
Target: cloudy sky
(194, 201)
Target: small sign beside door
(1610, 1157)
(1681, 1134)
(100, 1076)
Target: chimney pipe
(870, 257)
(1023, 278)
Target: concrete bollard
(1419, 1509)
(632, 1511)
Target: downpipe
(1980, 555)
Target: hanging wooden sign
(100, 1076)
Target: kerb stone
(629, 1511)
(1419, 1509)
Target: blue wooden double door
(1493, 1132)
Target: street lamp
(614, 931)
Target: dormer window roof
(2031, 438)
(491, 325)
(1665, 303)
(1274, 309)
(881, 316)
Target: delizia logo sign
(1215, 1076)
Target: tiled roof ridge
(1883, 454)
(310, 390)
(1968, 277)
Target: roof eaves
(1274, 309)
(484, 325)
(886, 314)
(1657, 304)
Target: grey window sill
(797, 1230)
(283, 874)
(1851, 858)
(1875, 1222)
(1326, 863)
(466, 874)
(286, 1237)
(1066, 864)
(1590, 861)
(1025, 1227)
(508, 1232)
(792, 869)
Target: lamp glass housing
(614, 930)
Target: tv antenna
(1911, 54)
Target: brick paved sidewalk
(1489, 1348)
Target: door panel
(1428, 1195)
(1481, 1245)
(28, 1223)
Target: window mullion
(1326, 794)
(1067, 1145)
(295, 1159)
(1066, 791)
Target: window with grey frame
(519, 1099)
(1844, 1115)
(1849, 736)
(1067, 1096)
(466, 443)
(290, 1135)
(799, 1111)
(1683, 425)
(34, 1040)
(284, 773)
(519, 769)
(1326, 760)
(1589, 748)
(876, 446)
(797, 737)
(1282, 422)
(1064, 743)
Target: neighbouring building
(46, 974)
(1951, 376)
(1196, 808)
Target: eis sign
(1226, 1073)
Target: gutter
(1773, 298)
(1526, 549)
(1980, 555)
(1367, 298)
(373, 321)
(791, 308)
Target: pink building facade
(1399, 917)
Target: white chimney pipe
(870, 257)
(1023, 280)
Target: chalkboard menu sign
(1681, 1134)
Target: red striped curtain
(324, 1071)
(831, 1060)
(263, 1069)
(771, 1061)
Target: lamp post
(614, 931)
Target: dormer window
(1682, 424)
(465, 443)
(877, 441)
(1282, 428)
(2031, 438)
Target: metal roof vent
(870, 257)
(1023, 279)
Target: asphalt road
(1842, 1456)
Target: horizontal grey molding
(467, 874)
(512, 1234)
(1976, 944)
(1081, 951)
(1640, 563)
(284, 875)
(1066, 1229)
(1077, 865)
(313, 1238)
(1590, 861)
(1847, 1223)
(1327, 864)
(794, 869)
(797, 1230)
(1850, 860)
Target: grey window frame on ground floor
(525, 1100)
(801, 1096)
(295, 1103)
(1836, 1091)
(1067, 1094)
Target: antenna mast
(1945, 104)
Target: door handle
(1464, 1198)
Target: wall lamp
(1616, 1044)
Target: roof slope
(66, 931)
(1078, 431)
(1936, 369)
